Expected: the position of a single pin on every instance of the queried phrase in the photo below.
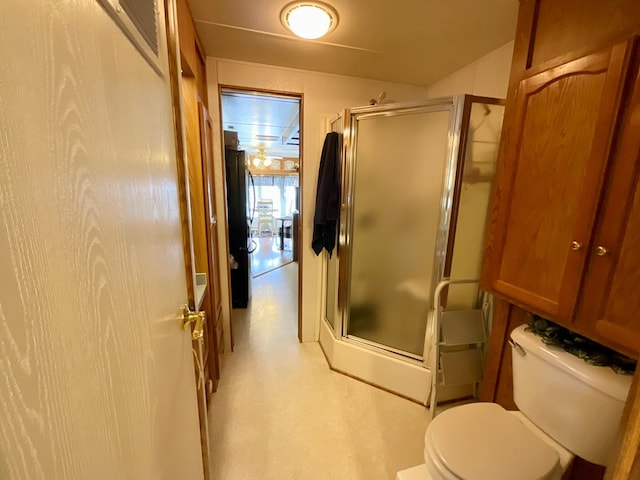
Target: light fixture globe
(261, 160)
(310, 20)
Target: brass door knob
(575, 245)
(196, 318)
(601, 251)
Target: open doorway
(262, 163)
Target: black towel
(327, 211)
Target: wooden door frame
(181, 153)
(175, 77)
(211, 212)
(300, 97)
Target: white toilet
(567, 407)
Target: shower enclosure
(416, 184)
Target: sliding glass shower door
(401, 173)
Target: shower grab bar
(437, 309)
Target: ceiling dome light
(310, 20)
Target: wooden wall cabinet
(610, 302)
(569, 171)
(566, 191)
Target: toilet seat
(482, 441)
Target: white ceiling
(407, 41)
(271, 122)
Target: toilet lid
(482, 441)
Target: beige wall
(324, 96)
(488, 76)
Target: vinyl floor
(281, 413)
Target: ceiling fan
(262, 160)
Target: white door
(96, 374)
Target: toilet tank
(577, 404)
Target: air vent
(138, 19)
(143, 15)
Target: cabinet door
(611, 297)
(209, 185)
(553, 164)
(211, 208)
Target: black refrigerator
(239, 228)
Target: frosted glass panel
(479, 167)
(399, 168)
(332, 287)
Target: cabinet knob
(575, 245)
(601, 251)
